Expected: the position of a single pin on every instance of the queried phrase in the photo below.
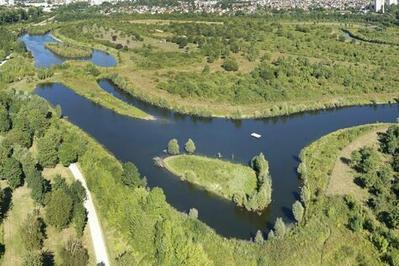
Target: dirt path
(94, 224)
(341, 181)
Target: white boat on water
(256, 135)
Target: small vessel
(256, 135)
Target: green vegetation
(245, 66)
(229, 180)
(68, 50)
(29, 141)
(379, 216)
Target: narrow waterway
(44, 58)
(140, 141)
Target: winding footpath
(94, 224)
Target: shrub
(230, 64)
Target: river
(283, 138)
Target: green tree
(79, 218)
(389, 141)
(193, 213)
(279, 228)
(131, 176)
(74, 254)
(67, 153)
(173, 147)
(365, 160)
(5, 123)
(190, 146)
(48, 148)
(298, 211)
(259, 237)
(11, 170)
(59, 209)
(32, 232)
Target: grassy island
(229, 180)
(68, 50)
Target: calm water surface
(45, 58)
(283, 138)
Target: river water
(282, 139)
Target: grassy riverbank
(75, 76)
(220, 177)
(67, 50)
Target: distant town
(216, 7)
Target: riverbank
(264, 110)
(220, 177)
(75, 78)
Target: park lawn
(218, 176)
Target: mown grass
(218, 176)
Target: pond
(44, 58)
(282, 139)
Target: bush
(230, 64)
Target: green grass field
(218, 176)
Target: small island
(248, 186)
(68, 50)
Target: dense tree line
(25, 120)
(14, 15)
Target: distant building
(379, 5)
(391, 2)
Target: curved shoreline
(270, 109)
